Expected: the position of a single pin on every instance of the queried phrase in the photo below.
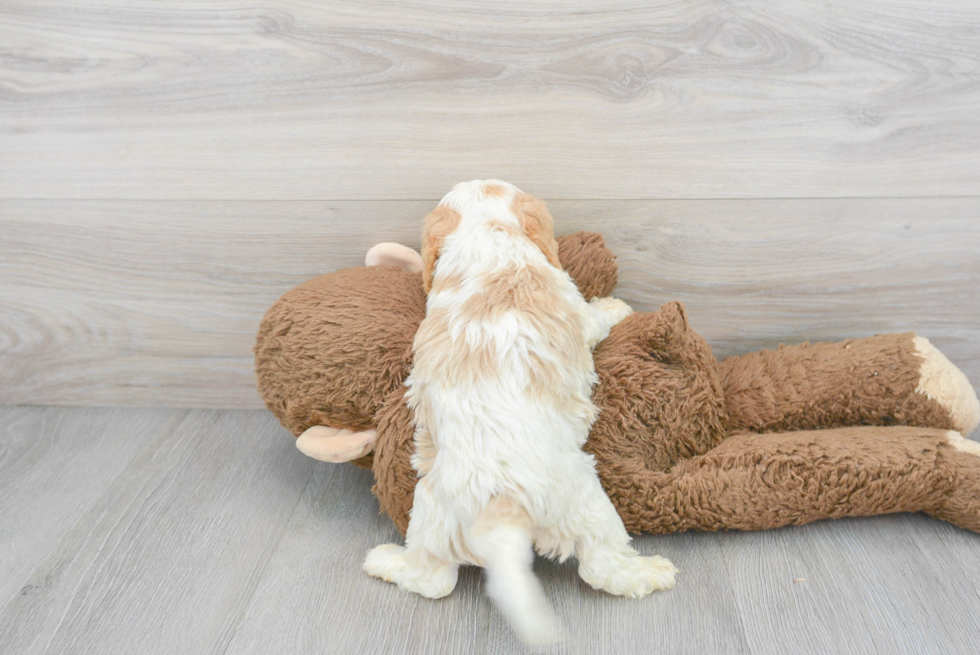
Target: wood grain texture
(218, 537)
(335, 607)
(157, 303)
(54, 465)
(169, 556)
(368, 100)
(874, 585)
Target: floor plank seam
(716, 540)
(82, 514)
(247, 604)
(108, 535)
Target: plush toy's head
(330, 351)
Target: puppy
(501, 389)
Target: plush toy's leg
(417, 566)
(893, 379)
(760, 481)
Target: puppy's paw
(614, 309)
(635, 577)
(390, 563)
(386, 561)
(641, 575)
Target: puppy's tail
(501, 537)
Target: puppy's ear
(437, 226)
(537, 224)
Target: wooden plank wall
(792, 171)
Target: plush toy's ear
(538, 225)
(437, 226)
(394, 254)
(333, 445)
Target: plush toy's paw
(941, 381)
(960, 505)
(634, 577)
(959, 442)
(614, 309)
(390, 563)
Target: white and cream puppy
(501, 389)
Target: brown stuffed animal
(682, 441)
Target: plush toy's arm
(393, 473)
(585, 257)
(756, 482)
(893, 379)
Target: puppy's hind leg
(501, 537)
(606, 560)
(415, 566)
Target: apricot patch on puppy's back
(449, 281)
(528, 291)
(453, 362)
(516, 288)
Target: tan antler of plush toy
(682, 442)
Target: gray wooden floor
(205, 531)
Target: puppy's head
(531, 215)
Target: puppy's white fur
(501, 389)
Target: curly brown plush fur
(682, 442)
